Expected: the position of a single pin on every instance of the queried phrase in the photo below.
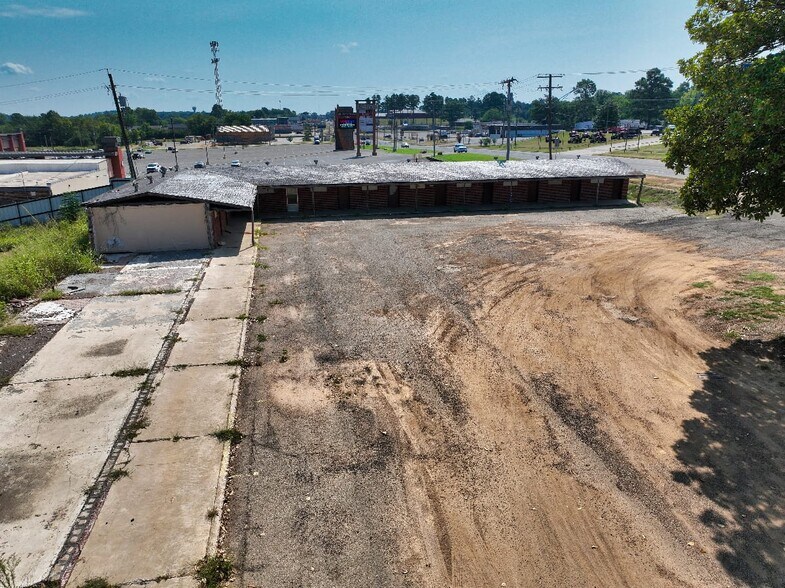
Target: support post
(253, 229)
(131, 166)
(640, 189)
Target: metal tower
(215, 60)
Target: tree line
(648, 100)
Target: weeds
(136, 427)
(275, 302)
(115, 475)
(232, 435)
(53, 294)
(238, 362)
(212, 513)
(177, 437)
(8, 570)
(241, 317)
(705, 284)
(97, 583)
(146, 292)
(261, 337)
(130, 372)
(284, 356)
(39, 256)
(17, 330)
(261, 318)
(213, 570)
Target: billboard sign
(347, 122)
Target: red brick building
(12, 142)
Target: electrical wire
(84, 73)
(56, 95)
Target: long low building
(188, 210)
(310, 190)
(243, 135)
(27, 179)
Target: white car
(153, 168)
(404, 145)
(460, 148)
(235, 163)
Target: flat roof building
(27, 179)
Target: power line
(56, 95)
(550, 89)
(84, 73)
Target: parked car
(199, 165)
(367, 142)
(137, 155)
(148, 152)
(405, 145)
(460, 148)
(235, 163)
(153, 168)
(656, 131)
(316, 141)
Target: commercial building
(243, 135)
(30, 179)
(12, 142)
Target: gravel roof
(411, 172)
(187, 185)
(244, 129)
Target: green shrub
(70, 208)
(212, 571)
(41, 255)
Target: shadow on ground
(734, 455)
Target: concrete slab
(181, 582)
(110, 334)
(155, 522)
(207, 342)
(216, 304)
(227, 276)
(191, 402)
(88, 285)
(92, 353)
(54, 439)
(154, 280)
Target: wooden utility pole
(131, 166)
(508, 82)
(550, 89)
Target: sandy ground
(505, 400)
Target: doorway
(393, 197)
(343, 197)
(487, 193)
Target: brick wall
(555, 193)
(274, 203)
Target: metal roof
(244, 129)
(429, 172)
(188, 185)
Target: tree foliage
(732, 139)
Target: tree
(585, 89)
(492, 115)
(733, 139)
(494, 100)
(433, 104)
(454, 108)
(651, 95)
(607, 115)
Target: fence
(45, 209)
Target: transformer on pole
(214, 61)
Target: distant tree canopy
(730, 129)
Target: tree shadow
(734, 455)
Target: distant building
(586, 125)
(12, 142)
(498, 130)
(243, 135)
(28, 179)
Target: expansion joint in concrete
(80, 530)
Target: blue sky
(313, 54)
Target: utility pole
(131, 166)
(174, 145)
(508, 82)
(550, 89)
(357, 125)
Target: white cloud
(21, 11)
(14, 69)
(347, 47)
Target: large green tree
(651, 96)
(733, 139)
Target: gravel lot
(506, 399)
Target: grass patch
(753, 304)
(654, 195)
(656, 151)
(706, 284)
(232, 435)
(213, 570)
(212, 513)
(275, 302)
(130, 372)
(284, 356)
(145, 292)
(53, 294)
(38, 256)
(17, 330)
(759, 277)
(238, 362)
(261, 337)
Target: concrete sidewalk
(76, 412)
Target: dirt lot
(508, 400)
